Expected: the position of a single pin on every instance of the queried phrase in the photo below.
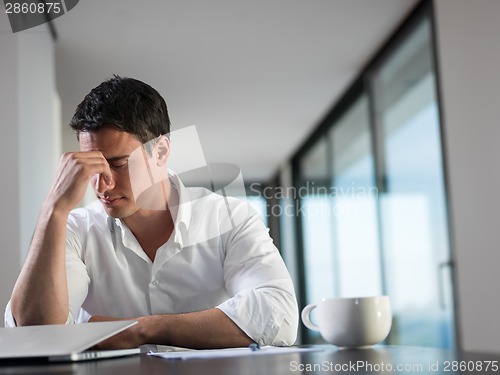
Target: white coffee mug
(351, 322)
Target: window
(373, 214)
(412, 202)
(316, 212)
(355, 218)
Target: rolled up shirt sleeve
(76, 270)
(76, 274)
(263, 302)
(9, 321)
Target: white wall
(9, 188)
(30, 141)
(40, 130)
(469, 63)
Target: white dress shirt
(219, 255)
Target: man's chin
(115, 214)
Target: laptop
(61, 342)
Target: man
(195, 269)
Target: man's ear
(162, 150)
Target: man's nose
(103, 183)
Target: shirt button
(155, 283)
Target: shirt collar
(180, 208)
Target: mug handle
(306, 311)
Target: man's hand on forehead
(75, 171)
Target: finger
(93, 162)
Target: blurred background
(364, 130)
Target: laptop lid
(56, 341)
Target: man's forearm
(40, 295)
(198, 330)
(202, 329)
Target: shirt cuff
(9, 321)
(256, 315)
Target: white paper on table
(232, 352)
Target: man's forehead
(113, 141)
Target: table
(330, 360)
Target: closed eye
(117, 165)
(118, 162)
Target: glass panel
(413, 208)
(315, 208)
(355, 218)
(288, 225)
(259, 204)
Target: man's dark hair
(126, 104)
